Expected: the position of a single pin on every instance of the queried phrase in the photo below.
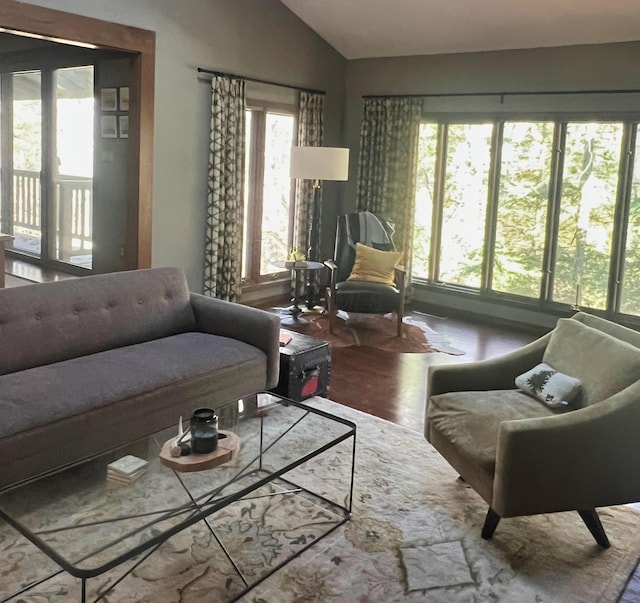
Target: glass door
(26, 134)
(72, 169)
(47, 135)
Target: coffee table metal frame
(201, 508)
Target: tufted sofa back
(50, 322)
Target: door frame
(59, 26)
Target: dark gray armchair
(362, 296)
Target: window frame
(255, 187)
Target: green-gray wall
(259, 38)
(605, 66)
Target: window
(525, 173)
(465, 203)
(541, 211)
(587, 206)
(268, 201)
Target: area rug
(414, 536)
(373, 330)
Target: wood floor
(392, 385)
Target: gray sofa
(94, 362)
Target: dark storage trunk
(304, 367)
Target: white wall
(259, 38)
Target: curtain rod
(503, 94)
(259, 81)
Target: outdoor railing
(72, 210)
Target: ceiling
(384, 28)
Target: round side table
(298, 271)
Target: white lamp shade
(320, 163)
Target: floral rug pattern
(414, 535)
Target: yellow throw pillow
(374, 266)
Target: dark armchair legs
(490, 524)
(589, 516)
(592, 521)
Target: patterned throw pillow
(555, 389)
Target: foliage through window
(537, 210)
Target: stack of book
(126, 470)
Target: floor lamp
(317, 164)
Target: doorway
(77, 32)
(47, 201)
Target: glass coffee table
(290, 484)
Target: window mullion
(492, 206)
(553, 212)
(438, 201)
(621, 219)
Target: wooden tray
(228, 448)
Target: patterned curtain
(387, 167)
(225, 199)
(310, 131)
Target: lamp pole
(313, 253)
(314, 231)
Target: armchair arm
(484, 375)
(333, 273)
(582, 459)
(256, 327)
(400, 277)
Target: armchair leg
(592, 521)
(490, 524)
(331, 309)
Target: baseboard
(477, 318)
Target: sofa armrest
(485, 375)
(582, 459)
(256, 327)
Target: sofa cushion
(63, 412)
(51, 322)
(604, 364)
(54, 392)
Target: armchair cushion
(578, 350)
(553, 388)
(467, 425)
(363, 296)
(374, 266)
